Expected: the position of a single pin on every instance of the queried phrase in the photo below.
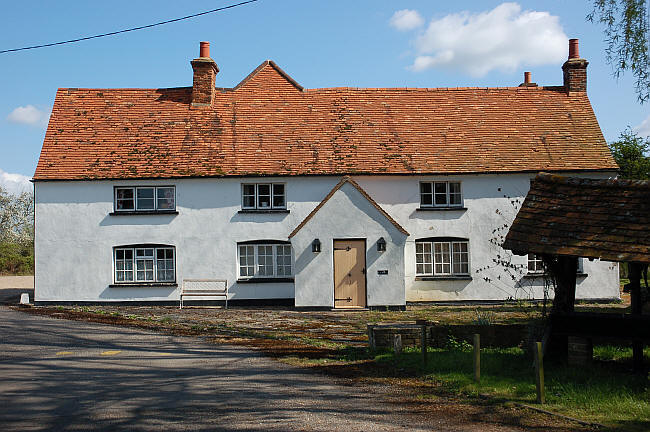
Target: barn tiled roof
(607, 219)
(270, 125)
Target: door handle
(363, 270)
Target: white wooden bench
(204, 288)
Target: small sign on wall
(382, 272)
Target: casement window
(440, 194)
(435, 257)
(145, 199)
(264, 260)
(263, 196)
(144, 263)
(536, 265)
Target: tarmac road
(69, 375)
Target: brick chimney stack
(575, 69)
(205, 72)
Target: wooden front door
(349, 273)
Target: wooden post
(423, 344)
(636, 309)
(397, 344)
(371, 337)
(539, 373)
(477, 358)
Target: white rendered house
(309, 197)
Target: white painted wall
(75, 235)
(348, 215)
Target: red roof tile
(270, 125)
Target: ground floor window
(536, 264)
(264, 260)
(441, 258)
(144, 264)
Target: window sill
(443, 278)
(264, 211)
(143, 212)
(441, 209)
(265, 280)
(144, 285)
(541, 275)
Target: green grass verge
(601, 393)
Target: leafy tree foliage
(626, 35)
(632, 154)
(16, 233)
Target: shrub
(16, 259)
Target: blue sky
(332, 43)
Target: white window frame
(135, 189)
(256, 263)
(539, 268)
(134, 259)
(538, 264)
(433, 262)
(271, 196)
(448, 194)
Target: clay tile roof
(270, 125)
(591, 218)
(331, 193)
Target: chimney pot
(575, 69)
(574, 51)
(204, 50)
(526, 77)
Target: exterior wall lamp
(315, 246)
(381, 245)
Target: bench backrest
(204, 286)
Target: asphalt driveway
(70, 375)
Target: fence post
(539, 373)
(477, 357)
(423, 344)
(397, 344)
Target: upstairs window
(263, 196)
(145, 199)
(264, 260)
(440, 194)
(144, 264)
(442, 258)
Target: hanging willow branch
(626, 36)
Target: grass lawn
(603, 393)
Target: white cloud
(29, 115)
(14, 183)
(504, 39)
(406, 19)
(644, 128)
